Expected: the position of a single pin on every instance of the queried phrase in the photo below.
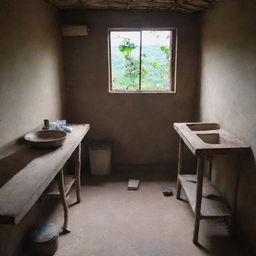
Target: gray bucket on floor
(100, 158)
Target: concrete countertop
(209, 138)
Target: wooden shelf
(213, 204)
(69, 180)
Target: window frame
(173, 62)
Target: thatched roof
(185, 6)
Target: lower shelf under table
(213, 204)
(69, 181)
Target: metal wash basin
(46, 138)
(203, 126)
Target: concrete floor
(111, 221)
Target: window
(142, 60)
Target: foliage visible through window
(142, 60)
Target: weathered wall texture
(139, 125)
(30, 84)
(228, 96)
(30, 67)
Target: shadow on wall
(226, 171)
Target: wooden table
(26, 172)
(205, 140)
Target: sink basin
(203, 126)
(211, 138)
(46, 138)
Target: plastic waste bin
(100, 158)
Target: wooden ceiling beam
(184, 6)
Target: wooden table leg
(200, 176)
(60, 178)
(234, 203)
(78, 172)
(209, 168)
(180, 166)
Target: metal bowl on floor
(43, 239)
(46, 138)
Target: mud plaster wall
(30, 67)
(30, 85)
(138, 125)
(228, 93)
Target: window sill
(142, 92)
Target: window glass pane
(125, 60)
(156, 59)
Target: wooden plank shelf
(213, 204)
